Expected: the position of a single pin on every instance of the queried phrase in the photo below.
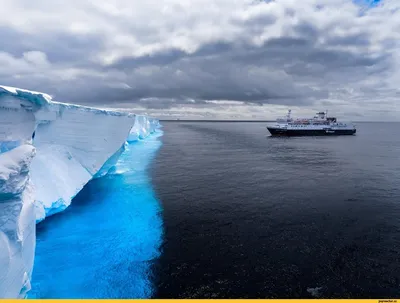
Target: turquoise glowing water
(104, 244)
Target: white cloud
(37, 59)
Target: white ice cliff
(17, 222)
(48, 152)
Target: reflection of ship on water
(319, 125)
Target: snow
(48, 152)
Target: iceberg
(48, 151)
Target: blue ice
(105, 243)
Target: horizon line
(267, 121)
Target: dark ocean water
(250, 216)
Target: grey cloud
(292, 68)
(70, 49)
(226, 74)
(160, 59)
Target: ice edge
(48, 151)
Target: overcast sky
(226, 59)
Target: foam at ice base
(73, 145)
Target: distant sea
(222, 210)
(250, 216)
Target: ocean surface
(222, 210)
(250, 216)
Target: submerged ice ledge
(48, 152)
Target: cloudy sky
(212, 59)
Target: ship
(319, 125)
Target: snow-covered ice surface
(48, 152)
